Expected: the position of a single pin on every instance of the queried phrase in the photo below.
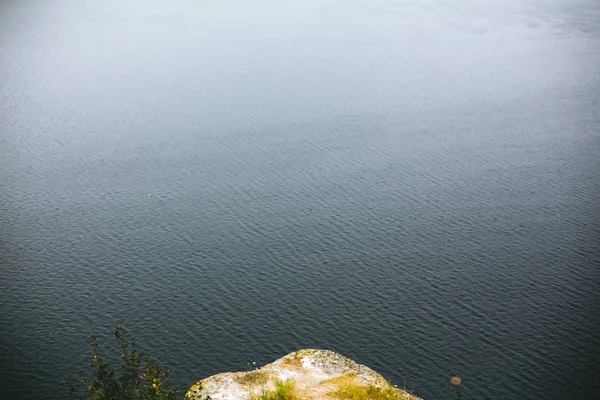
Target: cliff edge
(305, 374)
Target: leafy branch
(138, 375)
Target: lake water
(413, 184)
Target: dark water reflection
(414, 184)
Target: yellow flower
(154, 385)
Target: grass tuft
(284, 390)
(349, 388)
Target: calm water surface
(414, 184)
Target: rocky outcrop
(304, 374)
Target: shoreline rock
(311, 373)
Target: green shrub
(138, 375)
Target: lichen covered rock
(306, 374)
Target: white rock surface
(315, 373)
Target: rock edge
(317, 374)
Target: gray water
(414, 184)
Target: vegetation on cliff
(135, 376)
